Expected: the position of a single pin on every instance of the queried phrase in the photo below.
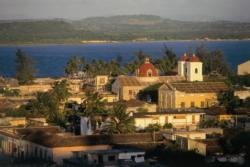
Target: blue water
(51, 59)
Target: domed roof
(194, 58)
(184, 57)
(147, 69)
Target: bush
(153, 127)
(168, 126)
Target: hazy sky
(175, 9)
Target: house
(128, 87)
(190, 68)
(110, 157)
(244, 68)
(136, 106)
(193, 134)
(204, 147)
(109, 97)
(178, 119)
(101, 82)
(242, 93)
(189, 94)
(52, 144)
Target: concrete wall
(175, 99)
(61, 153)
(244, 68)
(177, 120)
(191, 71)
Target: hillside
(117, 28)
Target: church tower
(190, 68)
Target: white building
(190, 68)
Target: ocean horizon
(51, 58)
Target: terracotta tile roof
(199, 87)
(129, 103)
(194, 58)
(143, 69)
(184, 57)
(52, 139)
(135, 81)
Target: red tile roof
(193, 58)
(145, 67)
(184, 57)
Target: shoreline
(121, 42)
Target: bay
(51, 59)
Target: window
(182, 104)
(180, 117)
(193, 119)
(111, 158)
(192, 104)
(166, 119)
(102, 80)
(196, 71)
(149, 73)
(202, 104)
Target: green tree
(24, 68)
(82, 63)
(119, 121)
(229, 100)
(48, 103)
(72, 65)
(153, 127)
(213, 62)
(168, 126)
(168, 63)
(61, 91)
(94, 108)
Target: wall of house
(32, 89)
(130, 92)
(100, 82)
(242, 94)
(23, 149)
(191, 71)
(198, 146)
(61, 153)
(208, 99)
(109, 97)
(190, 144)
(176, 99)
(177, 120)
(244, 68)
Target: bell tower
(194, 69)
(190, 68)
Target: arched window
(196, 70)
(149, 73)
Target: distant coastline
(88, 42)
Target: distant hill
(118, 28)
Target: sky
(202, 10)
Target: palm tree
(119, 121)
(94, 108)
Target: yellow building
(128, 87)
(244, 68)
(109, 97)
(189, 94)
(179, 120)
(101, 82)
